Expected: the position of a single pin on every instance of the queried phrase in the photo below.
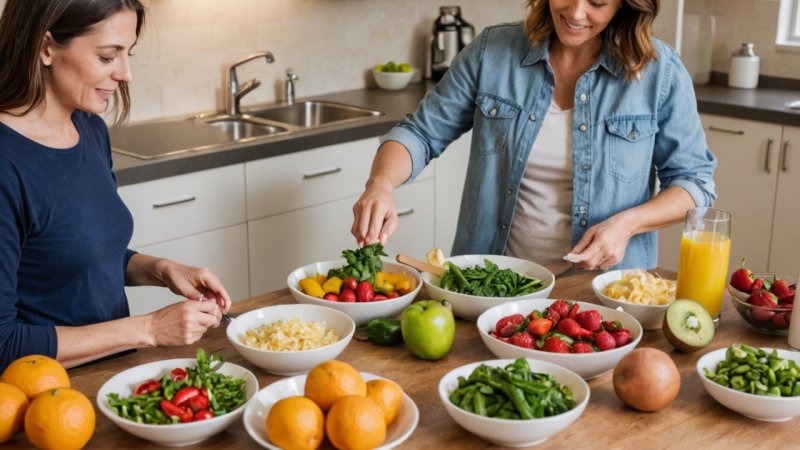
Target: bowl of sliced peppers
(194, 398)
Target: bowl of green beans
(759, 383)
(513, 402)
(474, 283)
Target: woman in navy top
(575, 114)
(64, 230)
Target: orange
(388, 395)
(296, 423)
(33, 374)
(355, 423)
(332, 380)
(13, 404)
(60, 419)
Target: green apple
(428, 328)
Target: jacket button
(583, 127)
(583, 222)
(586, 166)
(634, 135)
(532, 117)
(503, 226)
(582, 208)
(583, 98)
(510, 191)
(493, 112)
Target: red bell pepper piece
(183, 413)
(147, 387)
(177, 374)
(203, 415)
(184, 394)
(198, 403)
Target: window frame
(788, 36)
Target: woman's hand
(603, 245)
(194, 283)
(182, 323)
(375, 214)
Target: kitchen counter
(693, 420)
(756, 104)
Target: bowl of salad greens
(474, 283)
(177, 402)
(513, 403)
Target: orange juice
(703, 269)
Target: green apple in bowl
(428, 328)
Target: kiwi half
(688, 326)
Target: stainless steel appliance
(451, 33)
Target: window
(789, 24)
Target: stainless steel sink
(311, 114)
(243, 129)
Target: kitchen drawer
(185, 204)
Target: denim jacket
(624, 136)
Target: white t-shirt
(542, 227)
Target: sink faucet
(235, 91)
(291, 77)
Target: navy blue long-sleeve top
(64, 233)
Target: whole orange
(296, 423)
(388, 395)
(332, 380)
(60, 419)
(355, 423)
(33, 374)
(13, 404)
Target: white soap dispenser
(743, 73)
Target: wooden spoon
(420, 265)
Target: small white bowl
(255, 417)
(508, 432)
(392, 81)
(756, 407)
(587, 365)
(469, 307)
(172, 435)
(291, 362)
(650, 316)
(361, 313)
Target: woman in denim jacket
(576, 113)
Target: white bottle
(743, 73)
(794, 325)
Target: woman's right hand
(375, 213)
(182, 323)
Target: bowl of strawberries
(764, 300)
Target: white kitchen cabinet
(451, 172)
(784, 255)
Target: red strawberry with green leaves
(560, 307)
(508, 325)
(758, 284)
(604, 341)
(742, 279)
(573, 311)
(621, 337)
(781, 289)
(763, 303)
(589, 320)
(582, 347)
(555, 345)
(539, 327)
(522, 339)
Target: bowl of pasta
(290, 339)
(638, 292)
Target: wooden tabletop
(693, 420)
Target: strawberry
(392, 294)
(781, 320)
(365, 292)
(553, 315)
(331, 296)
(347, 296)
(604, 341)
(573, 311)
(589, 320)
(742, 279)
(621, 337)
(561, 307)
(758, 284)
(787, 299)
(762, 298)
(507, 326)
(569, 327)
(780, 288)
(350, 283)
(582, 347)
(612, 325)
(379, 297)
(555, 345)
(539, 327)
(535, 314)
(522, 339)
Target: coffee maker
(451, 33)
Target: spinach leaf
(488, 281)
(362, 263)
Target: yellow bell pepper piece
(333, 285)
(320, 278)
(311, 287)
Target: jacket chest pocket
(630, 147)
(493, 120)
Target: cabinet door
(784, 254)
(284, 242)
(224, 251)
(451, 171)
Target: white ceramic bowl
(587, 365)
(756, 407)
(361, 313)
(650, 316)
(179, 434)
(255, 417)
(291, 362)
(392, 81)
(508, 432)
(471, 306)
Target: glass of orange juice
(705, 250)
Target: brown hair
(630, 37)
(23, 26)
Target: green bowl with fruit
(393, 76)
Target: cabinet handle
(404, 212)
(785, 156)
(725, 130)
(176, 201)
(767, 156)
(307, 176)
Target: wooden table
(693, 420)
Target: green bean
(753, 370)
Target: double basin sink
(160, 139)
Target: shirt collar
(541, 52)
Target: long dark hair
(631, 39)
(23, 26)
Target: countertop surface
(767, 105)
(692, 420)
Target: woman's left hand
(195, 283)
(603, 245)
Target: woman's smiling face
(580, 22)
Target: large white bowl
(650, 316)
(756, 407)
(392, 81)
(255, 416)
(587, 365)
(508, 432)
(361, 313)
(471, 306)
(291, 362)
(179, 434)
